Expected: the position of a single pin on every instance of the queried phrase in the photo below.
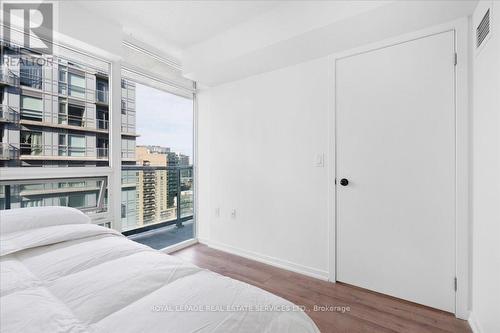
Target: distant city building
(183, 160)
(155, 201)
(158, 149)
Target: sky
(164, 119)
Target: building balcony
(102, 152)
(76, 121)
(102, 97)
(166, 218)
(128, 155)
(129, 131)
(75, 91)
(9, 114)
(102, 124)
(162, 237)
(69, 122)
(8, 78)
(32, 80)
(8, 152)
(50, 192)
(126, 108)
(32, 151)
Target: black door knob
(344, 182)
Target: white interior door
(395, 120)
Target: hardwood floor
(369, 311)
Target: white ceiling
(172, 26)
(221, 41)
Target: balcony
(99, 152)
(128, 155)
(159, 208)
(9, 114)
(102, 97)
(32, 151)
(8, 151)
(102, 152)
(102, 124)
(75, 91)
(165, 236)
(8, 78)
(73, 120)
(87, 194)
(32, 79)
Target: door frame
(461, 29)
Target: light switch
(320, 160)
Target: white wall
(486, 178)
(259, 137)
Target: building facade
(54, 112)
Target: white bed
(60, 273)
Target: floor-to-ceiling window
(64, 109)
(157, 164)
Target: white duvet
(86, 278)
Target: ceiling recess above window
(483, 29)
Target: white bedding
(86, 278)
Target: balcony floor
(165, 236)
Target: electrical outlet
(233, 213)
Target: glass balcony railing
(88, 194)
(102, 96)
(32, 79)
(8, 151)
(7, 77)
(102, 152)
(9, 114)
(72, 151)
(33, 149)
(72, 120)
(155, 197)
(128, 154)
(128, 129)
(73, 90)
(81, 121)
(102, 124)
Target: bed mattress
(86, 278)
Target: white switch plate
(233, 213)
(217, 212)
(320, 160)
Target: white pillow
(12, 220)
